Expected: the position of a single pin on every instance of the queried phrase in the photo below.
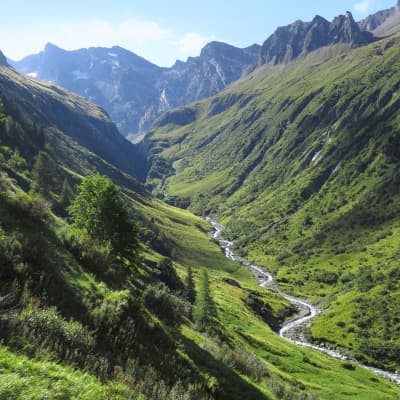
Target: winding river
(293, 328)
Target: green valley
(113, 284)
(300, 161)
(81, 321)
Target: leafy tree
(101, 210)
(44, 174)
(190, 291)
(16, 161)
(66, 194)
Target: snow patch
(112, 54)
(32, 74)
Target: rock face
(383, 22)
(134, 91)
(3, 59)
(291, 41)
(373, 21)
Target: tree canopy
(102, 211)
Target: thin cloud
(146, 38)
(363, 6)
(191, 43)
(131, 32)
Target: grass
(25, 378)
(305, 176)
(55, 276)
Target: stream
(293, 328)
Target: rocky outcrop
(3, 59)
(373, 21)
(289, 42)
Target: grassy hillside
(76, 323)
(69, 119)
(301, 162)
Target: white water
(292, 329)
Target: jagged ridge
(288, 42)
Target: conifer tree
(66, 195)
(190, 291)
(44, 174)
(204, 309)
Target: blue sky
(161, 31)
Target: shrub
(164, 304)
(10, 253)
(48, 322)
(33, 205)
(111, 308)
(328, 277)
(349, 366)
(88, 252)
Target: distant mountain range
(136, 92)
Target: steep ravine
(293, 328)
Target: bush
(246, 363)
(49, 323)
(88, 252)
(349, 366)
(328, 277)
(10, 254)
(164, 304)
(111, 308)
(33, 205)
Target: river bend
(293, 328)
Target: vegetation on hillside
(76, 304)
(301, 162)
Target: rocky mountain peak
(3, 59)
(381, 22)
(133, 90)
(344, 29)
(288, 42)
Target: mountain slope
(64, 300)
(83, 122)
(301, 161)
(133, 90)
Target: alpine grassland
(300, 162)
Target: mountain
(107, 327)
(134, 91)
(289, 42)
(3, 59)
(301, 162)
(375, 21)
(86, 124)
